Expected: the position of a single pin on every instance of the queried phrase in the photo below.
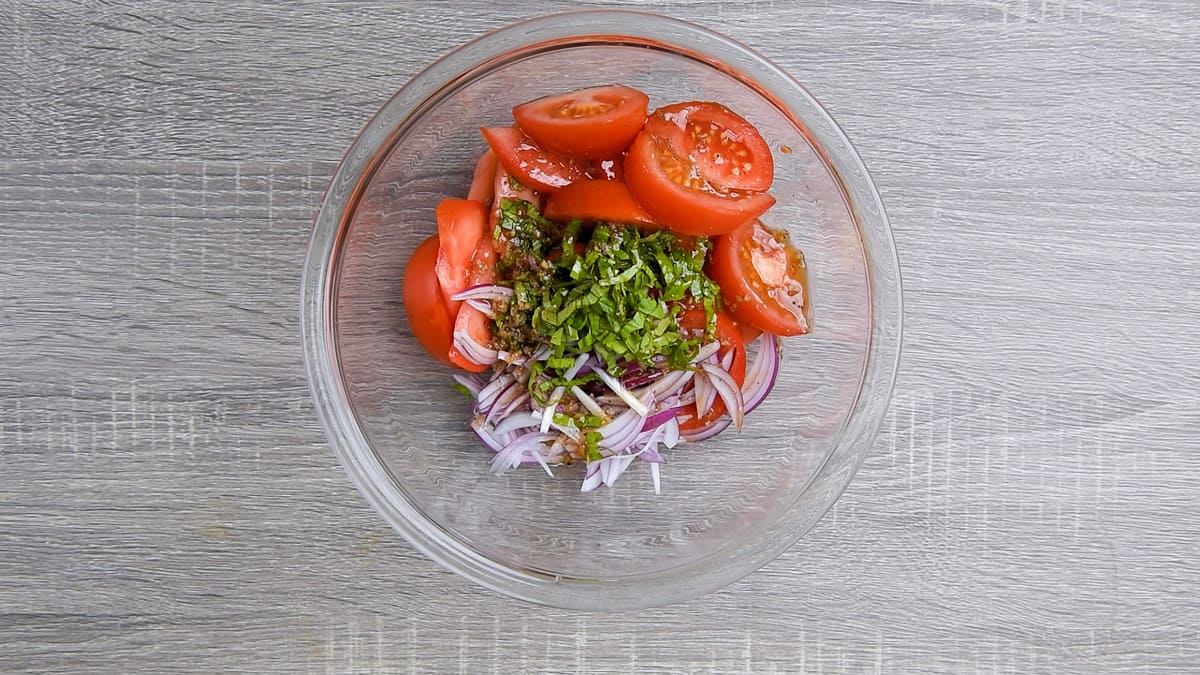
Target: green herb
(614, 291)
(462, 390)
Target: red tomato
(428, 316)
(531, 164)
(762, 278)
(589, 123)
(597, 200)
(700, 169)
(730, 336)
(722, 147)
(482, 183)
(470, 320)
(461, 227)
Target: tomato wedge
(469, 320)
(763, 279)
(461, 227)
(532, 165)
(482, 182)
(700, 169)
(598, 200)
(722, 147)
(730, 336)
(589, 123)
(428, 317)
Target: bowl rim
(375, 141)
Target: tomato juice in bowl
(728, 505)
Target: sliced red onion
(623, 429)
(510, 455)
(705, 394)
(488, 394)
(617, 466)
(520, 400)
(472, 383)
(477, 353)
(657, 419)
(551, 404)
(760, 379)
(537, 455)
(484, 292)
(654, 477)
(620, 390)
(485, 434)
(706, 350)
(501, 404)
(671, 432)
(580, 362)
(588, 402)
(707, 431)
(516, 421)
(728, 388)
(592, 478)
(650, 455)
(727, 360)
(484, 308)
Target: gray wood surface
(167, 499)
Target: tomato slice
(428, 316)
(699, 168)
(531, 164)
(461, 227)
(730, 336)
(589, 123)
(470, 320)
(720, 147)
(763, 279)
(598, 200)
(483, 182)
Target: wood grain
(168, 502)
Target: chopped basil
(614, 291)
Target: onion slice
(728, 388)
(620, 390)
(484, 292)
(761, 376)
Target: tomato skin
(461, 227)
(763, 279)
(729, 334)
(680, 208)
(531, 164)
(483, 181)
(598, 200)
(428, 317)
(589, 123)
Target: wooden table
(168, 501)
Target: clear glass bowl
(728, 505)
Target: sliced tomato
(483, 182)
(461, 227)
(681, 169)
(469, 320)
(531, 164)
(428, 317)
(721, 146)
(763, 279)
(589, 123)
(597, 200)
(730, 336)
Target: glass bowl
(728, 505)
